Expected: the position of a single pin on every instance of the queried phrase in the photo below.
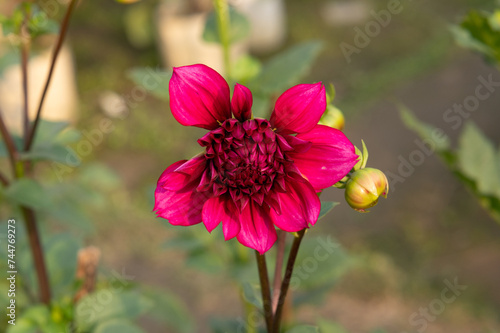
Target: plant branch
(37, 253)
(9, 144)
(266, 292)
(279, 267)
(286, 280)
(4, 180)
(224, 26)
(57, 49)
(25, 45)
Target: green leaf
(426, 132)
(365, 155)
(72, 208)
(47, 132)
(245, 69)
(218, 325)
(478, 160)
(41, 24)
(12, 24)
(107, 304)
(169, 309)
(68, 136)
(304, 329)
(320, 264)
(36, 319)
(326, 207)
(51, 143)
(154, 81)
(464, 39)
(252, 294)
(330, 93)
(22, 326)
(240, 27)
(285, 69)
(476, 32)
(61, 256)
(18, 142)
(57, 153)
(118, 326)
(29, 193)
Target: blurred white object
(113, 105)
(338, 13)
(268, 23)
(61, 99)
(181, 38)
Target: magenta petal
(257, 229)
(194, 166)
(329, 159)
(300, 206)
(298, 145)
(299, 108)
(230, 222)
(213, 212)
(171, 180)
(176, 198)
(199, 96)
(241, 103)
(182, 172)
(218, 209)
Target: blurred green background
(430, 229)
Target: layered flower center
(245, 159)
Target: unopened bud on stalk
(333, 117)
(364, 188)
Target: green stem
(286, 280)
(37, 253)
(57, 49)
(224, 26)
(278, 268)
(266, 291)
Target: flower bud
(333, 117)
(364, 188)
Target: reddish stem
(57, 49)
(37, 253)
(24, 68)
(286, 280)
(9, 144)
(279, 267)
(266, 291)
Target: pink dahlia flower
(255, 174)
